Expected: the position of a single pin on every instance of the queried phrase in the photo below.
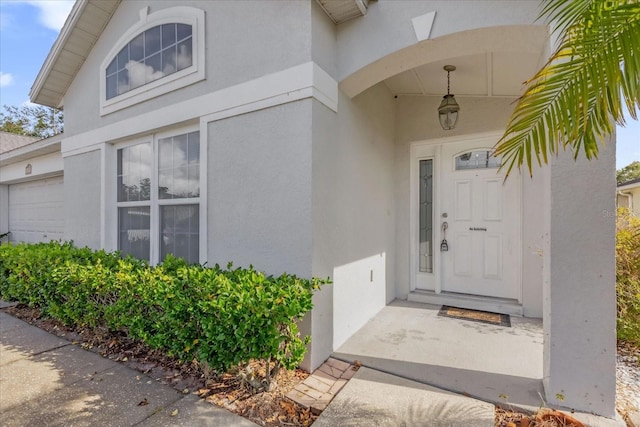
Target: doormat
(475, 316)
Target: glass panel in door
(426, 217)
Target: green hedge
(223, 317)
(628, 276)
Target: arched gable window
(162, 52)
(154, 54)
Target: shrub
(628, 276)
(223, 317)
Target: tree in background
(628, 173)
(570, 102)
(36, 120)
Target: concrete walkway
(46, 380)
(373, 398)
(487, 362)
(411, 356)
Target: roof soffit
(629, 184)
(340, 11)
(83, 27)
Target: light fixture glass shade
(448, 112)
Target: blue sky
(28, 29)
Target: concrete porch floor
(493, 363)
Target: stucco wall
(320, 322)
(41, 167)
(82, 177)
(354, 209)
(534, 233)
(244, 40)
(259, 189)
(324, 41)
(387, 26)
(580, 316)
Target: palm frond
(571, 100)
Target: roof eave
(80, 32)
(340, 11)
(45, 70)
(35, 149)
(629, 185)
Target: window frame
(432, 247)
(187, 76)
(155, 203)
(475, 150)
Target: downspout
(629, 197)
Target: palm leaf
(571, 101)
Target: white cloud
(184, 57)
(6, 79)
(52, 13)
(140, 74)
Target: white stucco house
(303, 136)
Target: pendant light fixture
(449, 108)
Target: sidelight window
(426, 216)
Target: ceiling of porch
(495, 74)
(490, 62)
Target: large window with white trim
(158, 198)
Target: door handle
(477, 229)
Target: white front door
(483, 217)
(458, 183)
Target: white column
(579, 284)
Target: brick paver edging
(322, 385)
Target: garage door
(36, 210)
